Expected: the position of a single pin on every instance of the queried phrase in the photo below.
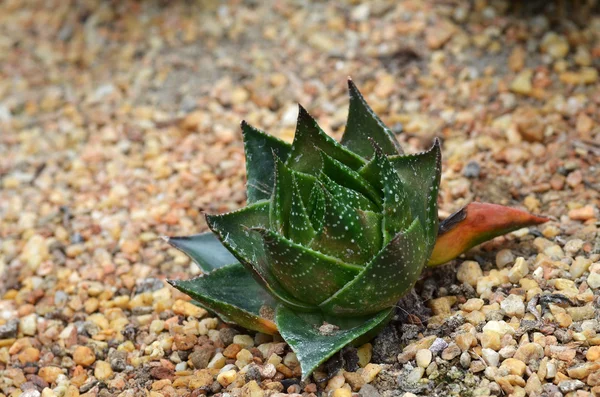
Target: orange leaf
(475, 224)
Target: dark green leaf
(234, 229)
(309, 140)
(260, 167)
(205, 249)
(345, 176)
(316, 208)
(347, 195)
(308, 275)
(231, 292)
(344, 234)
(312, 343)
(396, 208)
(281, 201)
(385, 279)
(421, 175)
(300, 229)
(363, 125)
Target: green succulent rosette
(333, 233)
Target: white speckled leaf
(260, 167)
(363, 125)
(309, 141)
(231, 292)
(301, 332)
(385, 279)
(205, 249)
(308, 275)
(234, 230)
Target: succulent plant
(334, 234)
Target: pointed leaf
(385, 279)
(308, 142)
(231, 292)
(305, 334)
(205, 249)
(281, 201)
(397, 214)
(421, 174)
(345, 235)
(308, 275)
(300, 229)
(234, 231)
(260, 167)
(347, 177)
(347, 195)
(316, 208)
(363, 125)
(475, 224)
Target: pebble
(504, 257)
(424, 357)
(583, 213)
(518, 270)
(415, 375)
(513, 306)
(469, 272)
(103, 370)
(83, 355)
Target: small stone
(581, 313)
(415, 375)
(245, 341)
(518, 271)
(504, 257)
(252, 389)
(513, 306)
(491, 357)
(28, 324)
(201, 358)
(232, 350)
(514, 366)
(342, 392)
(593, 353)
(225, 378)
(451, 352)
(436, 36)
(217, 362)
(50, 373)
(472, 305)
(522, 82)
(465, 341)
(555, 45)
(365, 352)
(567, 386)
(103, 371)
(528, 352)
(424, 357)
(227, 334)
(355, 380)
(579, 266)
(469, 272)
(29, 355)
(465, 360)
(370, 372)
(593, 280)
(335, 383)
(442, 305)
(243, 358)
(369, 391)
(188, 309)
(583, 213)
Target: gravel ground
(119, 122)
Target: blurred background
(119, 120)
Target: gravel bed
(119, 123)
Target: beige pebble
(469, 272)
(103, 371)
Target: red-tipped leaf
(475, 224)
